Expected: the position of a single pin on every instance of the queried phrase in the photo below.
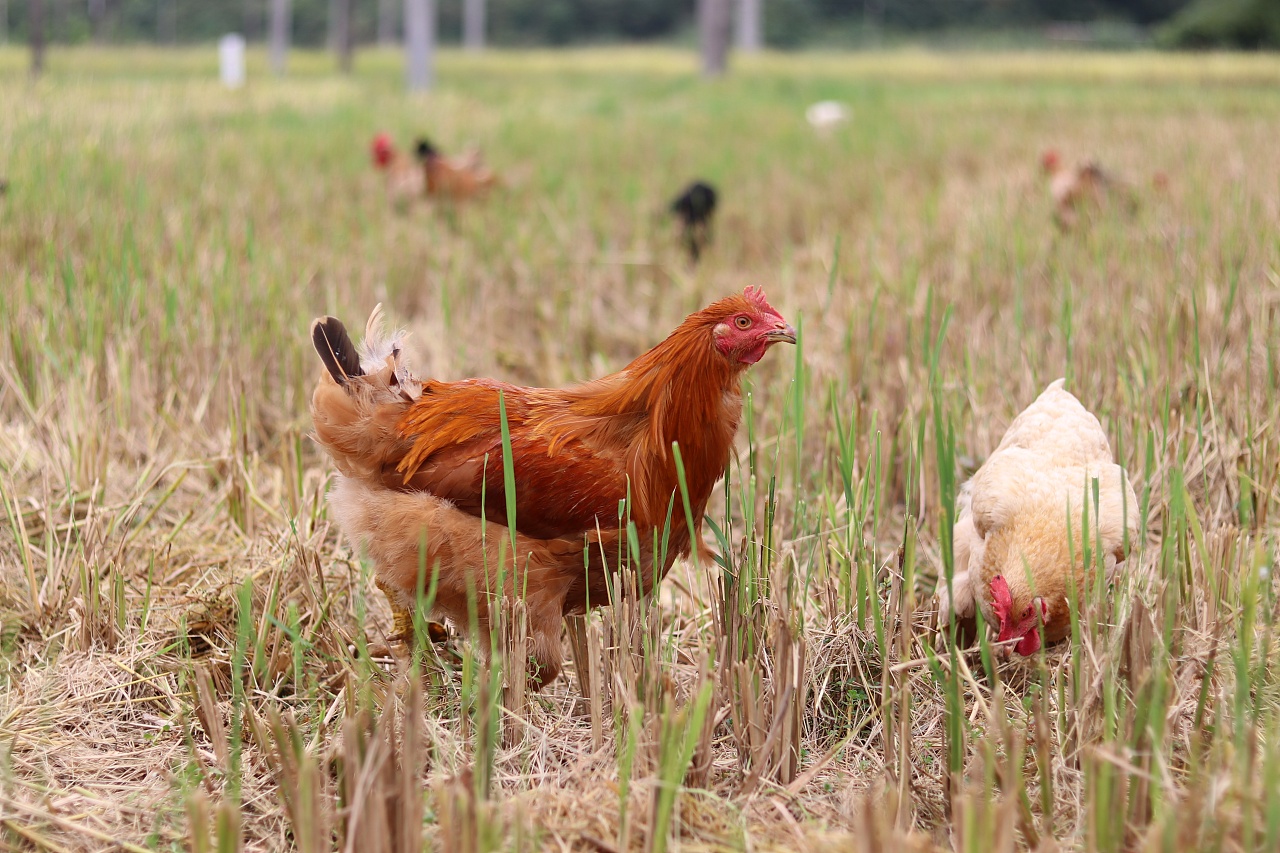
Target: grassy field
(194, 659)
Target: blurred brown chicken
(454, 178)
(421, 477)
(1083, 189)
(404, 175)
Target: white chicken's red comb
(1001, 598)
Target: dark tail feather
(424, 148)
(336, 349)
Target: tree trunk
(167, 22)
(251, 19)
(714, 24)
(280, 29)
(873, 19)
(343, 42)
(420, 42)
(386, 21)
(35, 33)
(473, 19)
(4, 21)
(97, 18)
(750, 25)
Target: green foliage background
(1251, 24)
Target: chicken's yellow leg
(402, 630)
(402, 627)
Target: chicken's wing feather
(564, 484)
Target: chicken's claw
(402, 621)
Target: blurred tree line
(1251, 24)
(788, 23)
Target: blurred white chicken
(1018, 543)
(826, 115)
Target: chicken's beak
(782, 334)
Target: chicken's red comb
(1001, 598)
(1049, 159)
(755, 296)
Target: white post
(280, 29)
(473, 19)
(231, 60)
(750, 25)
(420, 42)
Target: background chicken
(1014, 553)
(415, 455)
(825, 116)
(695, 207)
(1081, 189)
(404, 175)
(454, 178)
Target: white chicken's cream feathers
(1058, 426)
(1015, 479)
(1053, 472)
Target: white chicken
(825, 116)
(1018, 543)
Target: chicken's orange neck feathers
(683, 392)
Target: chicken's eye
(743, 322)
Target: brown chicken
(1082, 189)
(420, 461)
(404, 175)
(1018, 543)
(454, 178)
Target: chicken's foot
(402, 620)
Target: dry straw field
(192, 657)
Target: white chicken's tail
(360, 398)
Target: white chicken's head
(1024, 628)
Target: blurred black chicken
(694, 207)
